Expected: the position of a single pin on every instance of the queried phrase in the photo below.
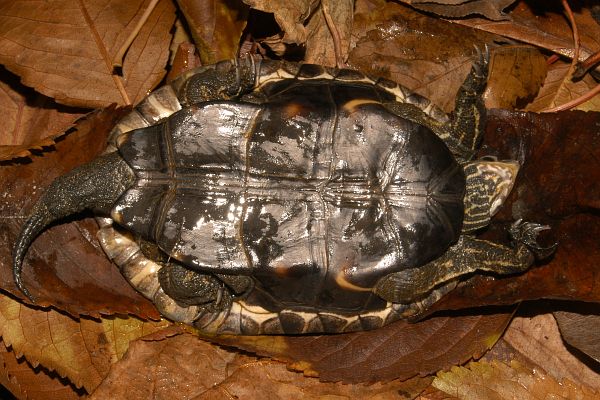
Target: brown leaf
(580, 329)
(152, 369)
(184, 60)
(80, 350)
(516, 75)
(31, 120)
(65, 266)
(290, 16)
(559, 89)
(270, 380)
(427, 55)
(320, 41)
(491, 9)
(558, 184)
(65, 49)
(496, 380)
(24, 381)
(538, 339)
(544, 25)
(398, 351)
(216, 27)
(203, 371)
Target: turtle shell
(312, 187)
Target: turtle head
(94, 186)
(489, 183)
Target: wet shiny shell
(315, 190)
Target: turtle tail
(94, 186)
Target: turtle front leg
(468, 118)
(468, 255)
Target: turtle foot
(526, 233)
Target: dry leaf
(544, 25)
(24, 381)
(65, 49)
(80, 350)
(491, 9)
(580, 329)
(538, 339)
(200, 370)
(216, 26)
(290, 16)
(559, 89)
(499, 381)
(320, 43)
(270, 380)
(398, 351)
(152, 369)
(516, 75)
(30, 120)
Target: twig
(586, 64)
(335, 34)
(575, 60)
(575, 102)
(118, 59)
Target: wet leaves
(53, 48)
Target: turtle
(270, 197)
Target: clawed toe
(526, 233)
(481, 65)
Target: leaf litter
(426, 54)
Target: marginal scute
(370, 322)
(353, 326)
(292, 322)
(272, 327)
(350, 75)
(315, 325)
(386, 83)
(249, 326)
(332, 323)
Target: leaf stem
(104, 52)
(335, 34)
(574, 61)
(118, 59)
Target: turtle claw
(481, 65)
(526, 233)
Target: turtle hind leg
(469, 111)
(467, 256)
(192, 288)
